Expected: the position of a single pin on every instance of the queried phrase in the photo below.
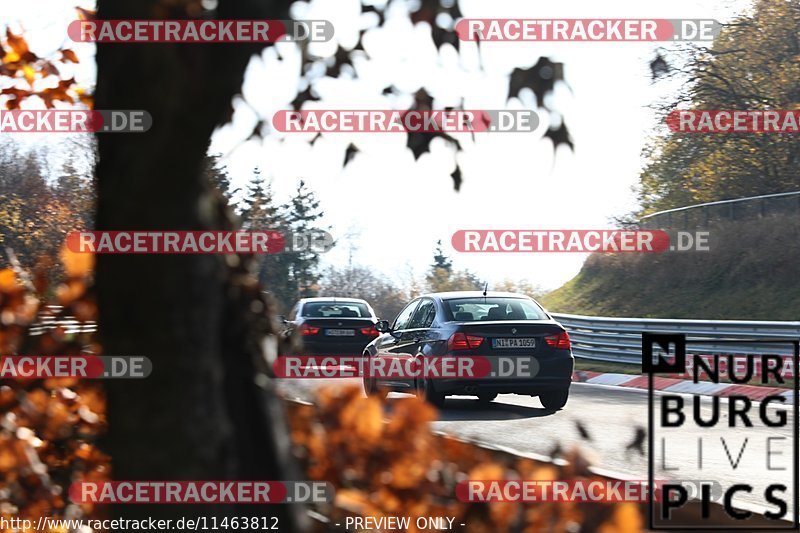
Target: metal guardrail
(604, 338)
(703, 215)
(620, 339)
(69, 324)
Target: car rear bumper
(501, 387)
(553, 375)
(334, 347)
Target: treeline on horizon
(39, 206)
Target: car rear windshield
(336, 310)
(480, 309)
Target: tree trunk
(200, 414)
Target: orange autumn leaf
(10, 56)
(626, 519)
(16, 96)
(68, 55)
(49, 69)
(68, 292)
(53, 94)
(17, 43)
(365, 418)
(8, 280)
(76, 264)
(16, 93)
(85, 14)
(49, 426)
(13, 103)
(86, 99)
(488, 472)
(29, 73)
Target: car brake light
(559, 342)
(370, 331)
(460, 341)
(305, 329)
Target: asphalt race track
(609, 417)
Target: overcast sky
(395, 208)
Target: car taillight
(370, 331)
(305, 329)
(461, 341)
(559, 342)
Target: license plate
(514, 343)
(340, 332)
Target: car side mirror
(383, 326)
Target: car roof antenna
(485, 290)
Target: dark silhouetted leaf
(637, 444)
(360, 45)
(659, 66)
(582, 431)
(302, 97)
(350, 153)
(540, 78)
(428, 9)
(422, 101)
(420, 141)
(560, 135)
(258, 129)
(340, 59)
(456, 175)
(373, 9)
(443, 36)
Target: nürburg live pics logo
(735, 425)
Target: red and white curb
(687, 386)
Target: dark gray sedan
(333, 326)
(500, 329)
